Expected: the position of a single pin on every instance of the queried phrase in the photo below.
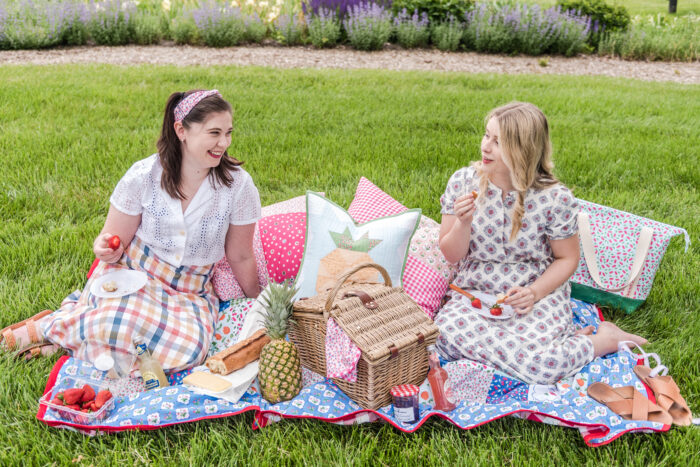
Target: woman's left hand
(522, 299)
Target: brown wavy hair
(170, 149)
(527, 151)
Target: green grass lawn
(68, 133)
(644, 7)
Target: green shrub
(112, 22)
(324, 28)
(447, 35)
(437, 10)
(288, 29)
(412, 30)
(183, 30)
(604, 17)
(147, 29)
(656, 38)
(255, 29)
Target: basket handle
(344, 277)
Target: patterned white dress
(539, 347)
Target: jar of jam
(406, 409)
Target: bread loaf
(238, 355)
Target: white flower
(263, 4)
(250, 2)
(165, 5)
(235, 4)
(271, 17)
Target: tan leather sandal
(628, 403)
(32, 351)
(8, 339)
(666, 392)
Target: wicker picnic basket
(390, 329)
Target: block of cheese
(207, 381)
(238, 355)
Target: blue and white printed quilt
(487, 395)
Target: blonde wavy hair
(527, 152)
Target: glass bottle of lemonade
(150, 368)
(439, 383)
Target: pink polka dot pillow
(224, 281)
(427, 274)
(225, 284)
(283, 242)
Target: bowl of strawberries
(79, 401)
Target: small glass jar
(406, 408)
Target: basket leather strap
(367, 301)
(346, 275)
(640, 255)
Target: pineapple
(280, 369)
(350, 252)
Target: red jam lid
(405, 390)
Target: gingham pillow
(427, 274)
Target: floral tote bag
(620, 254)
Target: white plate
(128, 281)
(508, 311)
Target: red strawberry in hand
(114, 242)
(476, 303)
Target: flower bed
(508, 28)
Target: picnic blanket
(487, 395)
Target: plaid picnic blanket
(489, 396)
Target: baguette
(238, 355)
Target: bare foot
(607, 338)
(587, 331)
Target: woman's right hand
(464, 208)
(102, 250)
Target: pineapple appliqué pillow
(335, 243)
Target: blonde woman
(519, 236)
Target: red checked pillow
(427, 274)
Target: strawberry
(496, 310)
(114, 242)
(102, 398)
(57, 401)
(73, 396)
(73, 407)
(476, 303)
(89, 393)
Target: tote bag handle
(640, 255)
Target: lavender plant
(412, 30)
(147, 28)
(183, 29)
(219, 25)
(339, 7)
(26, 24)
(255, 29)
(368, 26)
(288, 29)
(324, 28)
(111, 21)
(447, 35)
(522, 28)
